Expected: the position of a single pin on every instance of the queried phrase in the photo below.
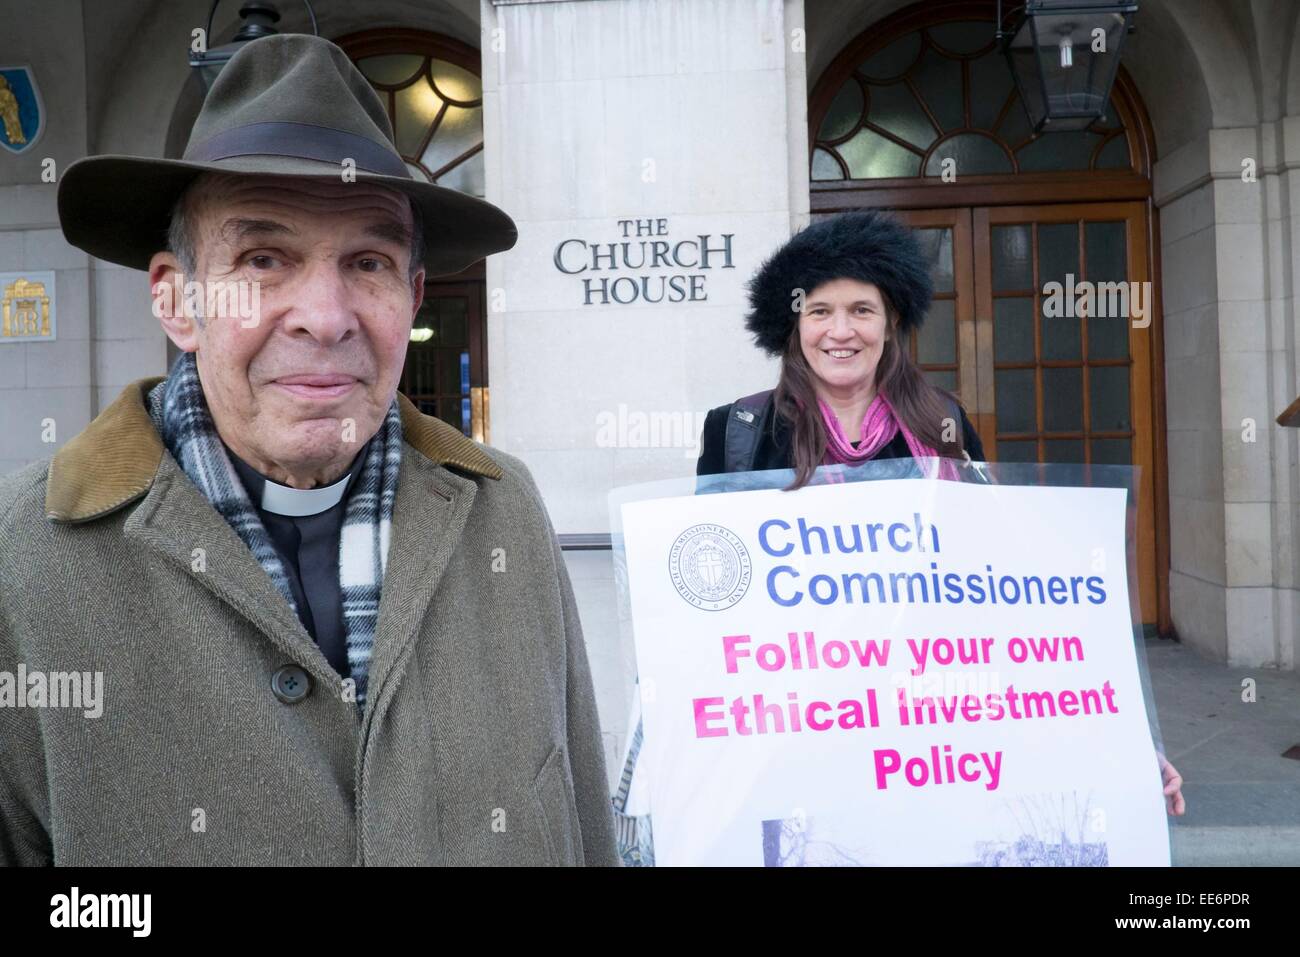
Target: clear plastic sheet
(632, 810)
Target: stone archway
(926, 87)
(1219, 80)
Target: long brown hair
(919, 405)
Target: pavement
(1243, 796)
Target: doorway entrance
(1044, 379)
(1035, 242)
(445, 374)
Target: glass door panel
(1062, 362)
(944, 346)
(443, 374)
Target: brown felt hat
(289, 104)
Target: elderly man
(330, 629)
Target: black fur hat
(867, 246)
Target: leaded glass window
(436, 108)
(945, 93)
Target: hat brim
(118, 208)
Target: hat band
(301, 140)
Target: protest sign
(896, 672)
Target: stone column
(1228, 271)
(619, 122)
(43, 383)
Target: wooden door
(1046, 387)
(446, 370)
(1054, 385)
(945, 346)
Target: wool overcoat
(479, 742)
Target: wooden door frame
(1134, 216)
(921, 193)
(959, 220)
(472, 289)
(479, 390)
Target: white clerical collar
(297, 502)
(292, 502)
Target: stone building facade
(653, 152)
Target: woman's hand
(1175, 804)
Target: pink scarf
(879, 426)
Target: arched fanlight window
(944, 92)
(434, 95)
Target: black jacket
(775, 446)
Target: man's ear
(417, 294)
(167, 288)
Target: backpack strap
(746, 421)
(954, 409)
(955, 406)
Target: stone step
(1253, 845)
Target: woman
(836, 303)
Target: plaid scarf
(180, 413)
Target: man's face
(298, 388)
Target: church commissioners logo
(709, 566)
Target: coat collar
(115, 459)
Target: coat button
(291, 684)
